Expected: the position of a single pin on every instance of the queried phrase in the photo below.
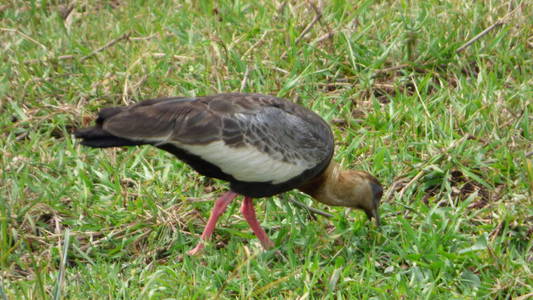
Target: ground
(443, 123)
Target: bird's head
(349, 188)
(362, 191)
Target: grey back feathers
(251, 137)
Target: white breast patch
(246, 163)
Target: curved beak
(373, 213)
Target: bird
(262, 145)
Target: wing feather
(253, 138)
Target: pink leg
(248, 212)
(218, 210)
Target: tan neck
(329, 188)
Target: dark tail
(97, 137)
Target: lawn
(444, 123)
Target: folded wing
(251, 138)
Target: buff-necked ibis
(261, 145)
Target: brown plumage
(349, 188)
(261, 145)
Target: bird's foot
(199, 247)
(267, 243)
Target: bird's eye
(377, 190)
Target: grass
(447, 133)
